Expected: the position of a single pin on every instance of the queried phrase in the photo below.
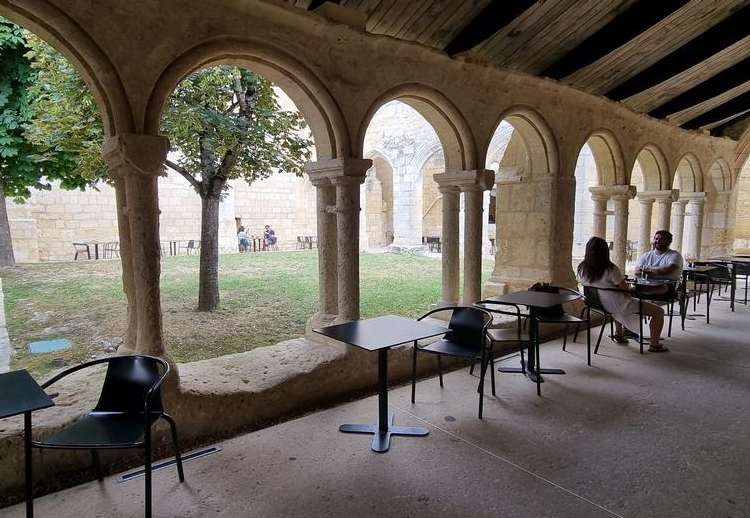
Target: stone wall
(742, 211)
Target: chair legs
(97, 465)
(440, 370)
(414, 372)
(177, 455)
(147, 471)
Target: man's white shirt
(656, 259)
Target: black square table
(380, 334)
(20, 394)
(534, 300)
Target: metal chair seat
(451, 348)
(507, 334)
(113, 429)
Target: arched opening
(378, 203)
(716, 239)
(522, 152)
(688, 179)
(649, 174)
(741, 241)
(402, 143)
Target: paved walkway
(4, 339)
(662, 435)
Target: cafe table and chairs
(379, 335)
(534, 301)
(21, 394)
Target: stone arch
(449, 124)
(688, 176)
(654, 166)
(720, 176)
(307, 91)
(610, 165)
(378, 202)
(97, 71)
(537, 138)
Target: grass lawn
(265, 298)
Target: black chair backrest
(128, 380)
(467, 327)
(551, 312)
(742, 268)
(592, 298)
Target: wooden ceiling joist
(731, 30)
(716, 85)
(723, 113)
(496, 15)
(630, 23)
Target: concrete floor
(664, 435)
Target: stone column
(694, 217)
(664, 201)
(473, 244)
(327, 245)
(600, 198)
(449, 245)
(621, 195)
(644, 237)
(137, 161)
(345, 176)
(678, 223)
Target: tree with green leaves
(37, 86)
(224, 123)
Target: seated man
(269, 237)
(661, 262)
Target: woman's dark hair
(596, 261)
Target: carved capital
(323, 172)
(472, 180)
(136, 154)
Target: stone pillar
(327, 245)
(664, 201)
(473, 245)
(137, 161)
(694, 217)
(678, 223)
(345, 176)
(621, 195)
(600, 199)
(644, 237)
(449, 244)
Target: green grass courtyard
(265, 298)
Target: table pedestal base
(381, 440)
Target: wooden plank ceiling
(685, 61)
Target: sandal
(660, 349)
(620, 339)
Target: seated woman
(243, 239)
(598, 271)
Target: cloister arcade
(496, 130)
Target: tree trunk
(208, 284)
(6, 242)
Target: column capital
(696, 198)
(668, 195)
(614, 191)
(322, 172)
(135, 153)
(471, 180)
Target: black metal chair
(504, 335)
(465, 338)
(129, 404)
(667, 299)
(594, 302)
(557, 315)
(742, 269)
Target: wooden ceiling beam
(496, 15)
(722, 35)
(638, 18)
(729, 110)
(712, 87)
